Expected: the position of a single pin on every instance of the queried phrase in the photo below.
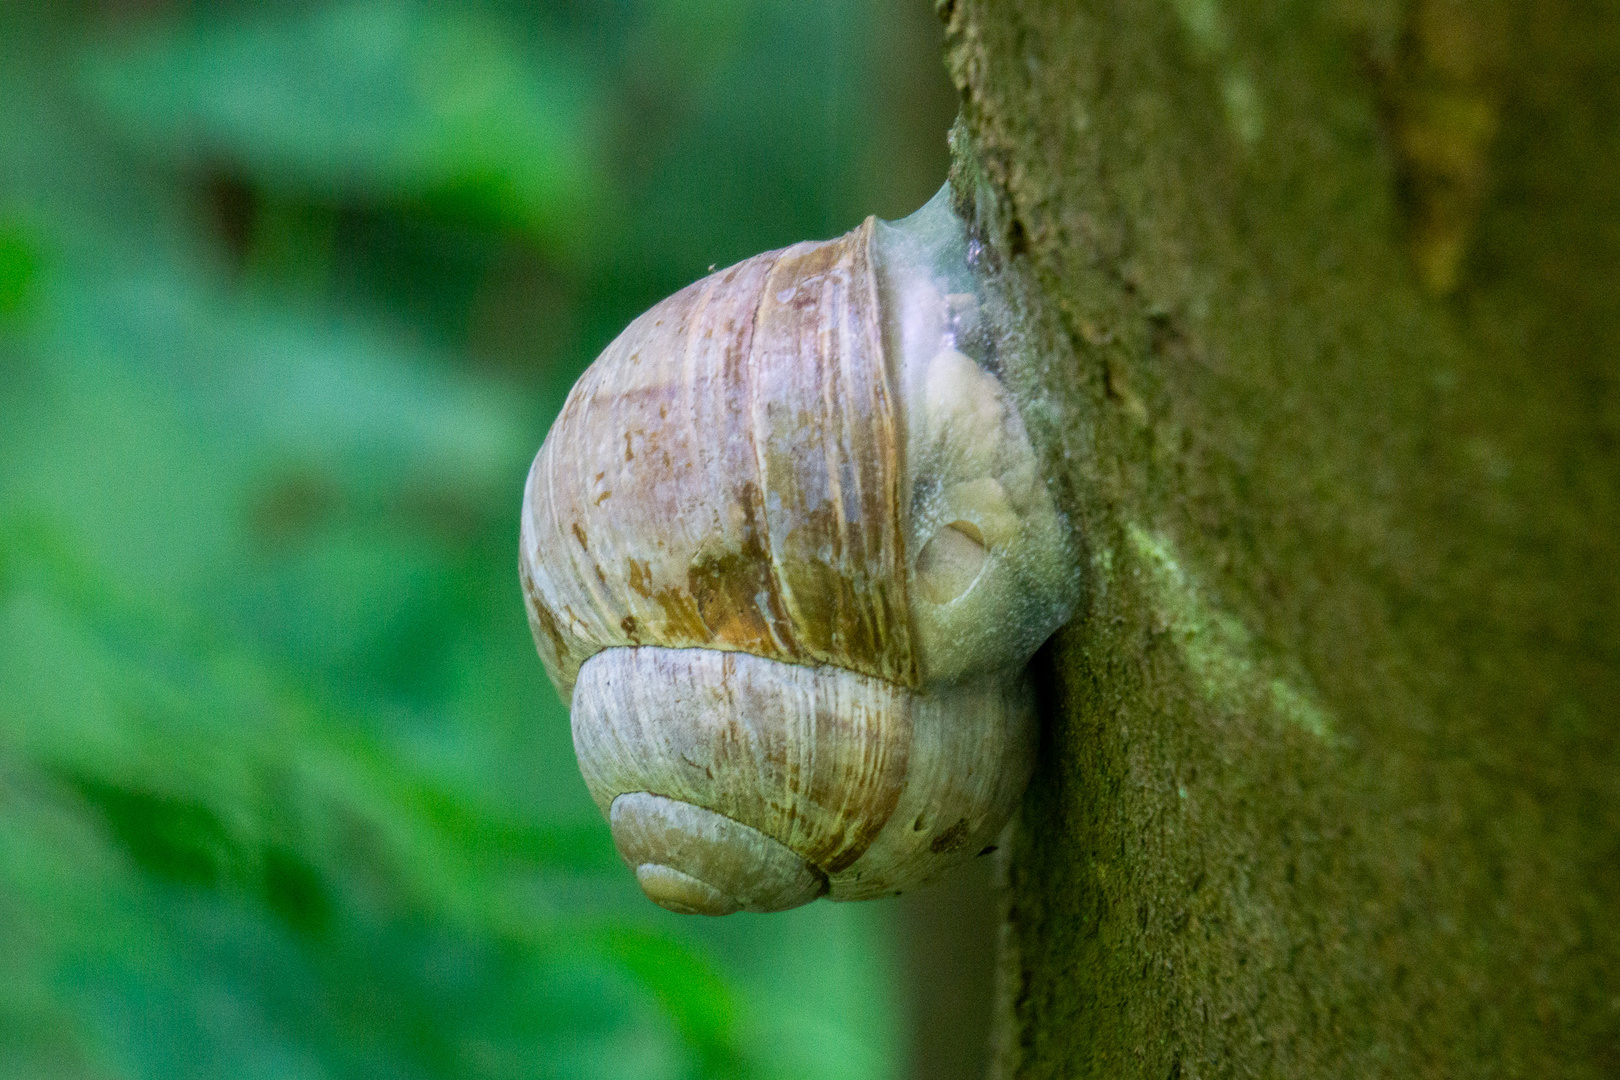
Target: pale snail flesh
(787, 551)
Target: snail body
(786, 551)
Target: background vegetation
(288, 296)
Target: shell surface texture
(786, 552)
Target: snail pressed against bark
(786, 551)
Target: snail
(786, 552)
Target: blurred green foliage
(288, 296)
(362, 99)
(17, 264)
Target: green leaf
(19, 265)
(369, 100)
(251, 846)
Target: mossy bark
(1331, 320)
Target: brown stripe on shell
(727, 475)
(830, 455)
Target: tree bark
(1327, 304)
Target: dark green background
(288, 296)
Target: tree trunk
(1328, 305)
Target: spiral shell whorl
(698, 862)
(875, 787)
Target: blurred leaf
(369, 99)
(704, 35)
(283, 788)
(269, 814)
(688, 988)
(19, 263)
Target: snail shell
(786, 550)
